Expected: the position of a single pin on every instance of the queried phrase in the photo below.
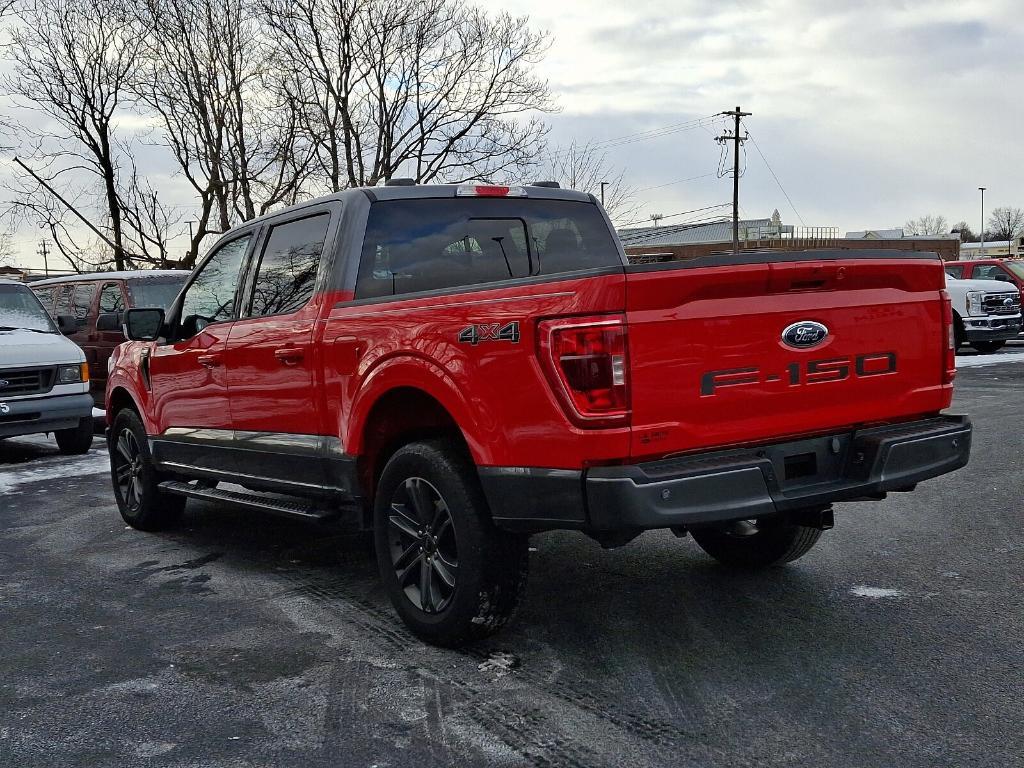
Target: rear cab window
(430, 244)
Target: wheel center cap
(428, 544)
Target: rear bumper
(43, 414)
(734, 484)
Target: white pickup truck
(44, 380)
(986, 313)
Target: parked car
(456, 367)
(97, 301)
(986, 313)
(44, 381)
(1007, 271)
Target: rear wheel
(451, 575)
(988, 347)
(136, 482)
(753, 544)
(76, 440)
(958, 332)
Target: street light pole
(603, 185)
(982, 248)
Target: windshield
(1017, 269)
(155, 292)
(19, 308)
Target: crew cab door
(271, 358)
(189, 394)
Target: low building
(993, 249)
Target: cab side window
(286, 275)
(45, 296)
(211, 296)
(81, 300)
(955, 271)
(63, 304)
(990, 272)
(111, 299)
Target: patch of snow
(862, 590)
(977, 361)
(499, 663)
(54, 468)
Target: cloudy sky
(870, 113)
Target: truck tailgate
(709, 366)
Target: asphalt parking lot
(242, 641)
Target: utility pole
(603, 185)
(982, 249)
(737, 114)
(44, 252)
(656, 217)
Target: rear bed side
(709, 367)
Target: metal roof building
(690, 234)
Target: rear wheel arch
(398, 417)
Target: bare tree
(586, 168)
(71, 61)
(926, 225)
(6, 249)
(231, 127)
(430, 89)
(1006, 224)
(964, 230)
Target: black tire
(988, 347)
(77, 440)
(451, 575)
(135, 480)
(754, 544)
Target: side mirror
(109, 321)
(143, 324)
(67, 324)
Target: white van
(44, 380)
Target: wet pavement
(242, 640)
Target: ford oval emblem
(804, 334)
(1008, 302)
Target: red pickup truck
(457, 367)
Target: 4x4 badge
(474, 334)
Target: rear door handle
(209, 361)
(289, 355)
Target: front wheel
(77, 440)
(136, 481)
(754, 544)
(451, 575)
(988, 347)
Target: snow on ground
(53, 468)
(863, 590)
(976, 361)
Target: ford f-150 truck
(455, 367)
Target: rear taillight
(949, 353)
(586, 362)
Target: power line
(632, 138)
(681, 213)
(737, 140)
(678, 181)
(769, 167)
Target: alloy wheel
(128, 469)
(421, 541)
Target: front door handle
(289, 355)
(209, 361)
